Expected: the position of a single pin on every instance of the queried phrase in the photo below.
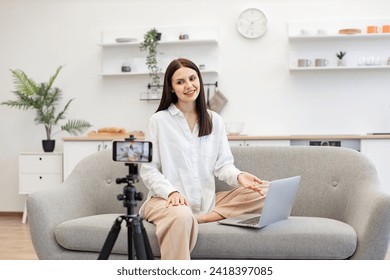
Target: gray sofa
(339, 212)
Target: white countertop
(252, 137)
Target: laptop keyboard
(251, 221)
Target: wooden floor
(15, 241)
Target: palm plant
(44, 98)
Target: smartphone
(132, 151)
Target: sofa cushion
(294, 238)
(90, 233)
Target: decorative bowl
(234, 128)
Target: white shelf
(360, 47)
(201, 47)
(339, 36)
(107, 74)
(338, 68)
(170, 42)
(147, 73)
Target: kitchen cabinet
(233, 143)
(74, 151)
(39, 171)
(201, 47)
(320, 39)
(378, 151)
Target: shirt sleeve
(225, 169)
(150, 173)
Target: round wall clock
(252, 23)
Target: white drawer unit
(39, 171)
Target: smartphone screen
(132, 151)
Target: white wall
(38, 36)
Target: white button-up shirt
(184, 162)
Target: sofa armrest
(48, 208)
(369, 214)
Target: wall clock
(252, 23)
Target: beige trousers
(177, 227)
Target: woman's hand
(250, 181)
(176, 199)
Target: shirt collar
(173, 109)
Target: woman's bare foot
(209, 217)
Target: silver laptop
(277, 206)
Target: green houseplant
(44, 99)
(150, 44)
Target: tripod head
(130, 194)
(132, 177)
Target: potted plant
(340, 55)
(44, 99)
(150, 44)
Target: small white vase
(340, 62)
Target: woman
(190, 147)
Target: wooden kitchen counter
(106, 136)
(96, 138)
(251, 137)
(309, 136)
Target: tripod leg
(130, 243)
(138, 240)
(148, 248)
(110, 241)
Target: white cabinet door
(236, 143)
(378, 151)
(74, 151)
(267, 142)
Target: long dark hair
(169, 97)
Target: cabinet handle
(105, 146)
(40, 177)
(99, 146)
(40, 158)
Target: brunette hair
(169, 97)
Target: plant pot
(48, 145)
(158, 36)
(340, 62)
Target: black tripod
(136, 233)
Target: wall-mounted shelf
(339, 37)
(162, 42)
(338, 68)
(321, 39)
(201, 47)
(145, 97)
(147, 73)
